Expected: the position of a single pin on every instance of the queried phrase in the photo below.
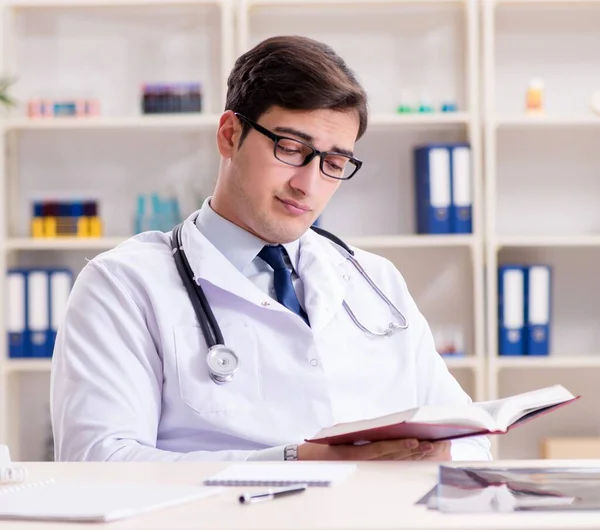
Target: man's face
(263, 195)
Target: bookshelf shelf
(210, 121)
(542, 122)
(63, 243)
(410, 241)
(548, 241)
(91, 4)
(309, 3)
(411, 120)
(539, 3)
(470, 362)
(28, 365)
(553, 361)
(175, 122)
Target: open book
(449, 422)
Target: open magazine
(449, 422)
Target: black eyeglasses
(298, 154)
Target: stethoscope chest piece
(223, 363)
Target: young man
(130, 378)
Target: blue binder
(60, 285)
(511, 309)
(16, 312)
(461, 209)
(538, 286)
(432, 189)
(38, 312)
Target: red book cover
(423, 431)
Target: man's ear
(228, 134)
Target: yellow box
(37, 227)
(83, 227)
(50, 226)
(95, 224)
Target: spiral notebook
(281, 474)
(72, 501)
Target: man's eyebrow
(308, 138)
(289, 130)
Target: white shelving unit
(429, 47)
(542, 198)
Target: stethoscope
(222, 361)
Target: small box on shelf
(169, 98)
(53, 219)
(424, 105)
(62, 107)
(449, 341)
(156, 213)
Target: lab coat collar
(322, 269)
(210, 265)
(324, 273)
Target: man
(130, 379)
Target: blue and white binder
(432, 189)
(461, 209)
(537, 309)
(511, 310)
(38, 313)
(16, 312)
(61, 282)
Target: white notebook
(92, 501)
(281, 474)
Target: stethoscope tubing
(204, 314)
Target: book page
(508, 410)
(468, 415)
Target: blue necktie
(284, 288)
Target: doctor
(130, 378)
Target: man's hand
(409, 449)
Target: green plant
(5, 98)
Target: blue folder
(511, 309)
(432, 189)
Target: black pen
(247, 498)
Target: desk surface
(379, 495)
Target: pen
(247, 498)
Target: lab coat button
(265, 304)
(314, 362)
(347, 277)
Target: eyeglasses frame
(308, 159)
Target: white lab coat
(130, 380)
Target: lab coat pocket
(196, 387)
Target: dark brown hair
(295, 73)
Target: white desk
(379, 495)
